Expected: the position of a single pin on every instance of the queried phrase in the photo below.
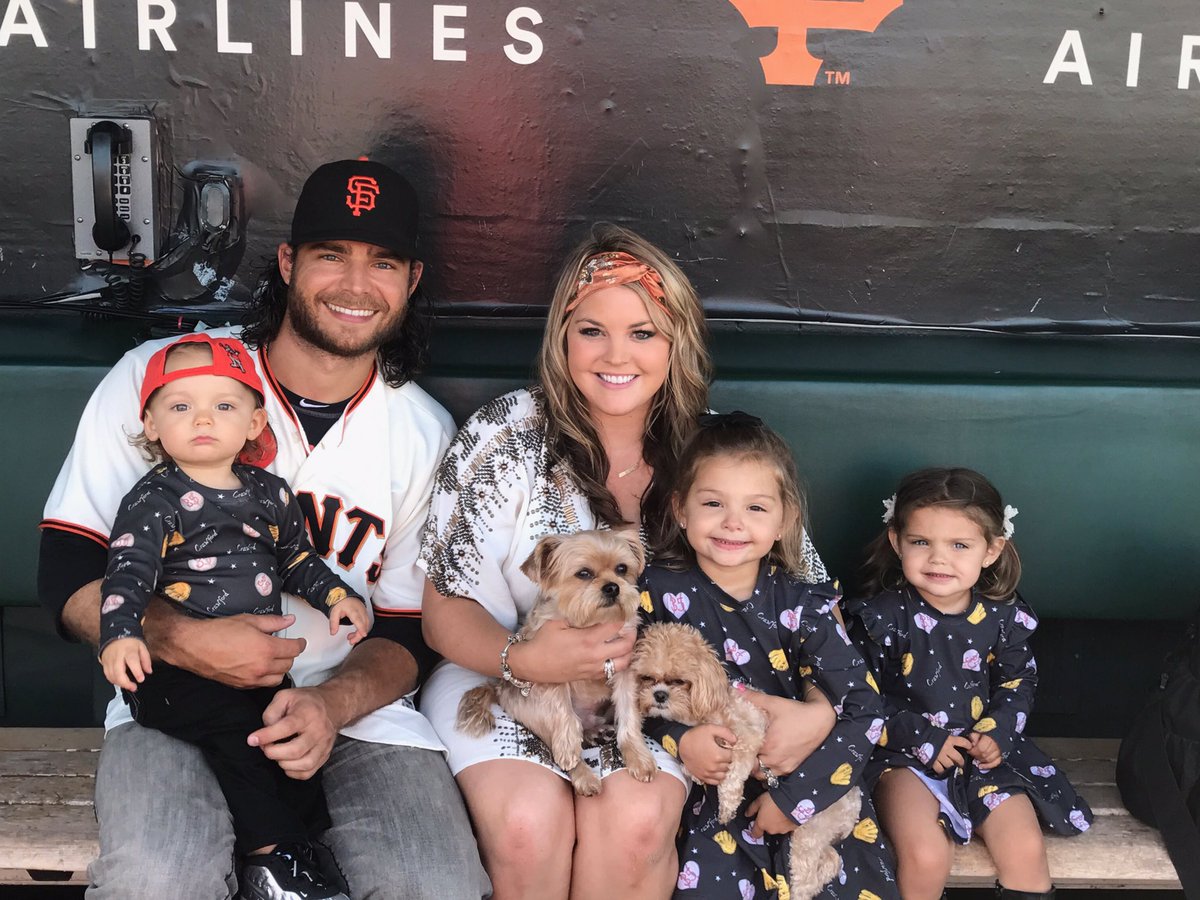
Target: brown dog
(676, 675)
(587, 578)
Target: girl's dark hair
(961, 489)
(400, 360)
(743, 438)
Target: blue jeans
(399, 825)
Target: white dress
(495, 496)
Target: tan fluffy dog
(676, 675)
(583, 579)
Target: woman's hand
(465, 633)
(794, 730)
(707, 752)
(557, 653)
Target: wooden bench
(1117, 852)
(48, 829)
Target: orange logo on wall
(361, 191)
(790, 62)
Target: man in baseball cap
(337, 330)
(354, 238)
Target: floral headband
(1006, 527)
(615, 268)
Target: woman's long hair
(570, 432)
(400, 359)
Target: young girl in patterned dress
(734, 568)
(947, 637)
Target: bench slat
(42, 790)
(1104, 799)
(1084, 773)
(51, 738)
(21, 877)
(59, 838)
(1064, 749)
(48, 763)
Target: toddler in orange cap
(215, 537)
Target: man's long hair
(400, 360)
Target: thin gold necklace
(637, 465)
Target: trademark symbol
(837, 77)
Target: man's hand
(951, 753)
(794, 730)
(125, 661)
(298, 732)
(350, 611)
(239, 651)
(985, 750)
(301, 724)
(767, 818)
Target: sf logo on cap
(361, 191)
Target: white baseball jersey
(365, 488)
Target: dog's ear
(539, 560)
(634, 540)
(710, 690)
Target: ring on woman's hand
(772, 778)
(610, 669)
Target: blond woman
(622, 377)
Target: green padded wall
(1092, 440)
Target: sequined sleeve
(481, 492)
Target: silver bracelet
(506, 673)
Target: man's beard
(301, 313)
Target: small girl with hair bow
(946, 636)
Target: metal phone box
(133, 165)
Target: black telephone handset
(106, 141)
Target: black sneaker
(289, 872)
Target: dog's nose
(611, 590)
(661, 696)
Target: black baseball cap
(358, 200)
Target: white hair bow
(889, 509)
(1006, 528)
